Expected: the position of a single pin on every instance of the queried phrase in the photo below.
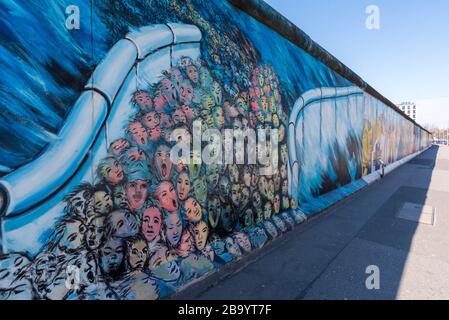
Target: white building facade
(409, 108)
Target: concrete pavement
(326, 258)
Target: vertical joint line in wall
(93, 80)
(172, 44)
(3, 246)
(1, 236)
(303, 124)
(336, 113)
(321, 120)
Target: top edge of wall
(264, 13)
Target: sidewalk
(326, 258)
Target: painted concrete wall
(93, 207)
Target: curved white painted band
(35, 181)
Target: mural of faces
(122, 224)
(118, 147)
(200, 190)
(138, 133)
(173, 228)
(152, 224)
(102, 202)
(14, 277)
(44, 271)
(214, 211)
(136, 193)
(186, 245)
(79, 201)
(200, 232)
(192, 210)
(167, 197)
(183, 185)
(111, 170)
(111, 255)
(95, 233)
(143, 100)
(149, 218)
(243, 241)
(163, 162)
(137, 253)
(72, 236)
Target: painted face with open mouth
(248, 218)
(277, 203)
(138, 133)
(192, 73)
(176, 76)
(168, 90)
(163, 162)
(217, 93)
(166, 196)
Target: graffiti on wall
(141, 226)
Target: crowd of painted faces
(150, 226)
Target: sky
(406, 59)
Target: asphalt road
(327, 257)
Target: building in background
(409, 108)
